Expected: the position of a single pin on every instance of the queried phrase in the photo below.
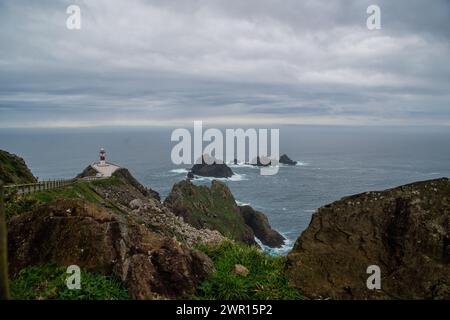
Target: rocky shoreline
(117, 226)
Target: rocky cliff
(113, 226)
(260, 225)
(215, 208)
(212, 208)
(405, 231)
(13, 169)
(75, 232)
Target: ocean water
(333, 162)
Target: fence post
(4, 282)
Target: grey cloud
(137, 61)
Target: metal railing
(24, 189)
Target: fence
(23, 189)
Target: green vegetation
(266, 279)
(49, 282)
(78, 190)
(13, 169)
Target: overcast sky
(169, 62)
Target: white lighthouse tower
(102, 157)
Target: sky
(246, 62)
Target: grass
(49, 282)
(78, 190)
(266, 278)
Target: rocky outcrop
(260, 225)
(71, 232)
(405, 231)
(13, 169)
(122, 184)
(263, 162)
(284, 159)
(140, 203)
(212, 208)
(211, 168)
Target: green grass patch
(266, 278)
(15, 204)
(49, 282)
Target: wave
(179, 171)
(242, 165)
(236, 177)
(240, 203)
(282, 251)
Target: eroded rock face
(260, 225)
(211, 208)
(405, 231)
(74, 232)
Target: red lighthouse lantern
(102, 157)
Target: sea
(333, 162)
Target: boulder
(404, 231)
(260, 225)
(71, 232)
(284, 159)
(136, 204)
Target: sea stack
(211, 167)
(284, 159)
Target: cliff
(215, 208)
(405, 231)
(211, 208)
(13, 169)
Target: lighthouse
(102, 157)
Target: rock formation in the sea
(263, 162)
(284, 159)
(75, 232)
(260, 225)
(404, 231)
(215, 208)
(212, 208)
(13, 169)
(215, 169)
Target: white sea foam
(242, 165)
(179, 171)
(282, 251)
(235, 177)
(240, 203)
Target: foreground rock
(76, 232)
(126, 194)
(13, 169)
(405, 231)
(260, 225)
(284, 159)
(212, 208)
